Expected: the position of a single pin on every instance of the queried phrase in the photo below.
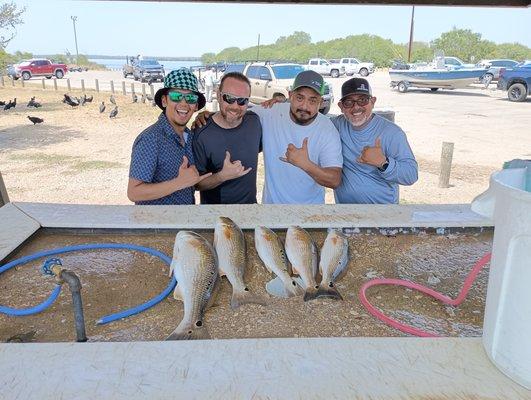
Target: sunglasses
(360, 102)
(190, 98)
(230, 99)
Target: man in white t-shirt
(210, 78)
(302, 148)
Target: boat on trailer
(434, 79)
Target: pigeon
(135, 98)
(35, 120)
(102, 107)
(112, 100)
(114, 112)
(143, 99)
(89, 99)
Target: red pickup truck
(40, 67)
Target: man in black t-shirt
(228, 146)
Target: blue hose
(55, 293)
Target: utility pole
(411, 35)
(74, 19)
(258, 49)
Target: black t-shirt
(243, 143)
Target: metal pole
(74, 19)
(411, 35)
(258, 49)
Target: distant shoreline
(103, 57)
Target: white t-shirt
(285, 183)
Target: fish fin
(246, 297)
(177, 293)
(189, 333)
(310, 294)
(276, 287)
(329, 290)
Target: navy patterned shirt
(156, 157)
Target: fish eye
(199, 323)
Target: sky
(190, 29)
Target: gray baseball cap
(309, 79)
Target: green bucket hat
(181, 78)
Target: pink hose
(400, 282)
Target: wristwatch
(384, 165)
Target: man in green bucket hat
(162, 167)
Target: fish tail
(293, 288)
(310, 293)
(189, 332)
(245, 297)
(329, 290)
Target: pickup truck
(144, 70)
(323, 67)
(274, 80)
(517, 81)
(354, 66)
(40, 67)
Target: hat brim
(162, 91)
(356, 92)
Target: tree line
(298, 47)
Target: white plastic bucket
(507, 323)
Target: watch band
(384, 165)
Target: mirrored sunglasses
(362, 102)
(230, 99)
(190, 98)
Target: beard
(305, 119)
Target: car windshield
(149, 63)
(287, 71)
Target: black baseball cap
(310, 79)
(355, 86)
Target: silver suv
(270, 80)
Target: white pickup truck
(354, 66)
(323, 67)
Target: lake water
(111, 63)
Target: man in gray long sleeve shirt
(376, 154)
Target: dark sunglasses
(190, 98)
(230, 99)
(360, 102)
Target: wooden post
(23, 82)
(446, 164)
(144, 89)
(55, 84)
(112, 87)
(2, 81)
(68, 84)
(83, 85)
(4, 198)
(97, 86)
(132, 88)
(152, 90)
(123, 88)
(13, 82)
(43, 84)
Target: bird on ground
(143, 99)
(35, 120)
(114, 112)
(9, 105)
(14, 104)
(71, 101)
(2, 103)
(135, 98)
(30, 103)
(112, 100)
(102, 107)
(89, 99)
(82, 100)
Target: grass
(95, 164)
(44, 158)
